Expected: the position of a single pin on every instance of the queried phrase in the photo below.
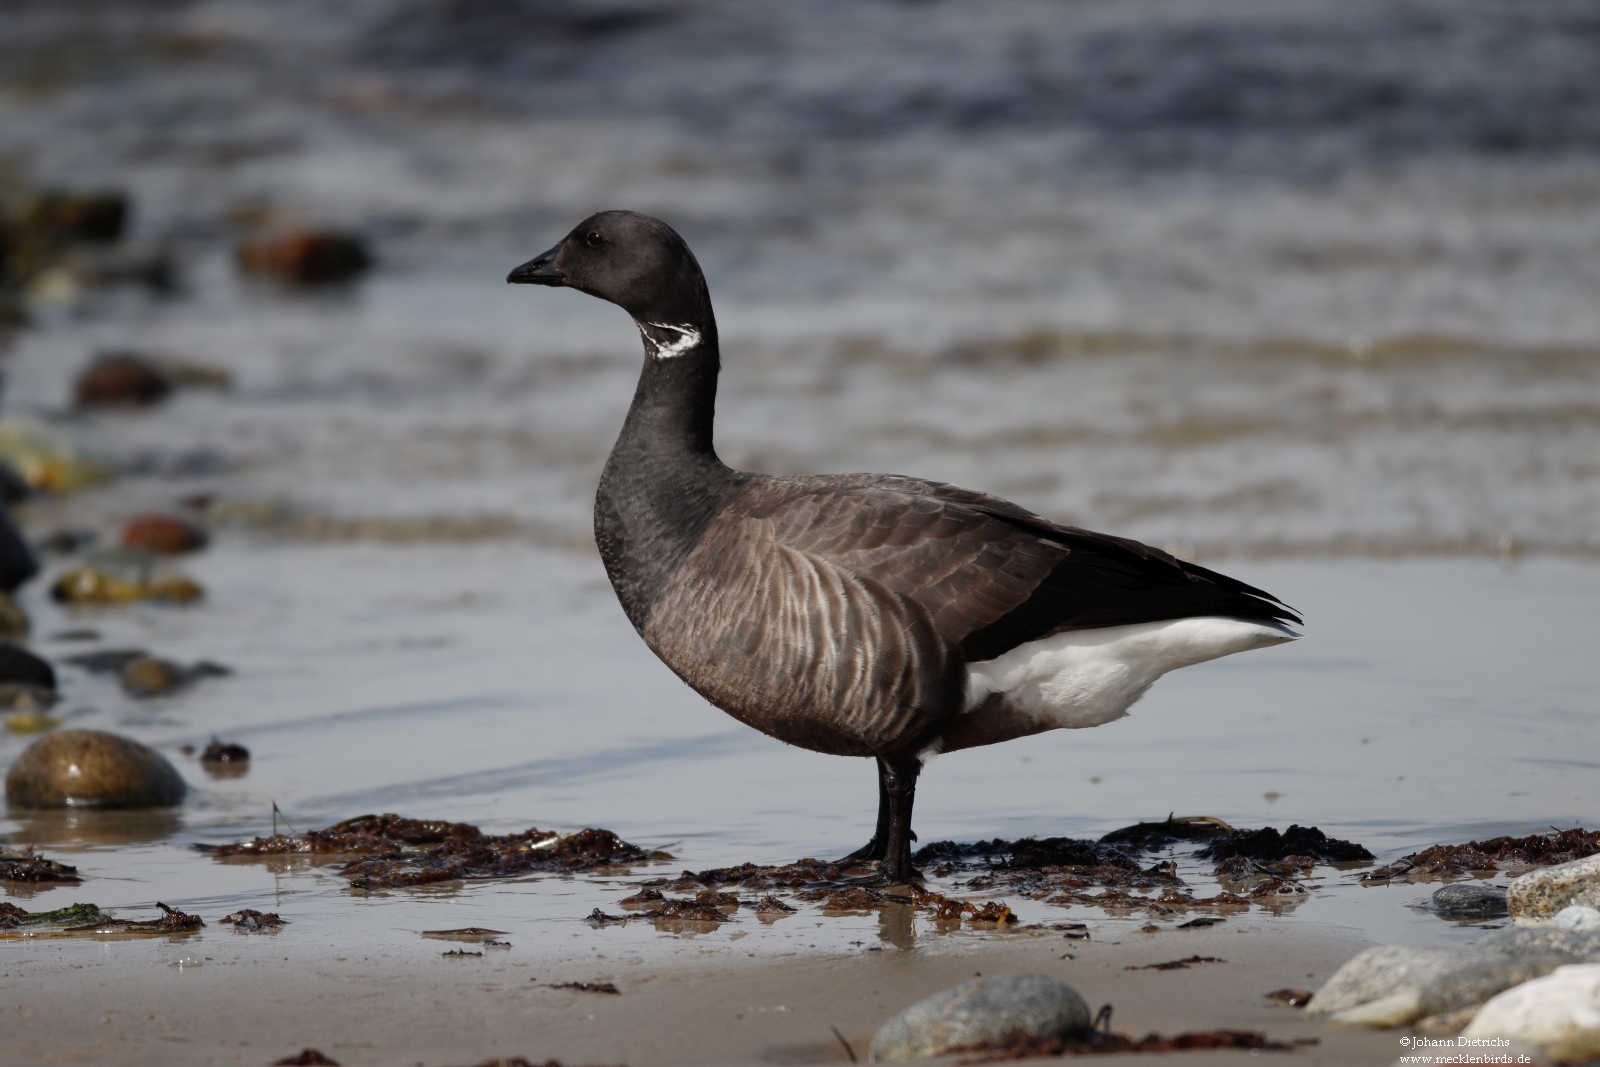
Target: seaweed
(1176, 965)
(250, 919)
(588, 987)
(1026, 853)
(801, 874)
(1245, 869)
(172, 921)
(30, 867)
(1495, 854)
(1268, 845)
(1021, 1046)
(1038, 866)
(1146, 836)
(378, 835)
(400, 852)
(686, 911)
(770, 905)
(12, 916)
(485, 856)
(944, 909)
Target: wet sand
(256, 999)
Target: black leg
(900, 780)
(874, 849)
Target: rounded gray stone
(1574, 946)
(1542, 892)
(1464, 900)
(983, 1013)
(1382, 972)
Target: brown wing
(994, 575)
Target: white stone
(1576, 917)
(1559, 1012)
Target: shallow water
(498, 684)
(1241, 284)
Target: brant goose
(864, 614)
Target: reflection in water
(898, 925)
(225, 769)
(55, 827)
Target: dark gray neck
(663, 483)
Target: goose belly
(1088, 678)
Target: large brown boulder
(94, 769)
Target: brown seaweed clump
(1039, 866)
(30, 867)
(1295, 843)
(485, 856)
(401, 852)
(945, 909)
(1106, 1043)
(381, 835)
(801, 874)
(1495, 854)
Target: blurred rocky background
(1305, 278)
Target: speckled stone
(1541, 893)
(92, 768)
(983, 1013)
(1464, 900)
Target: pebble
(1544, 891)
(306, 257)
(17, 561)
(1464, 900)
(14, 488)
(1560, 1012)
(148, 676)
(61, 216)
(13, 620)
(983, 1013)
(224, 752)
(50, 457)
(168, 535)
(31, 722)
(106, 660)
(19, 665)
(89, 585)
(20, 696)
(91, 767)
(121, 380)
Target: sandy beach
(255, 999)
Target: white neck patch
(687, 337)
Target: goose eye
(593, 239)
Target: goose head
(631, 259)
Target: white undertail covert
(1090, 677)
